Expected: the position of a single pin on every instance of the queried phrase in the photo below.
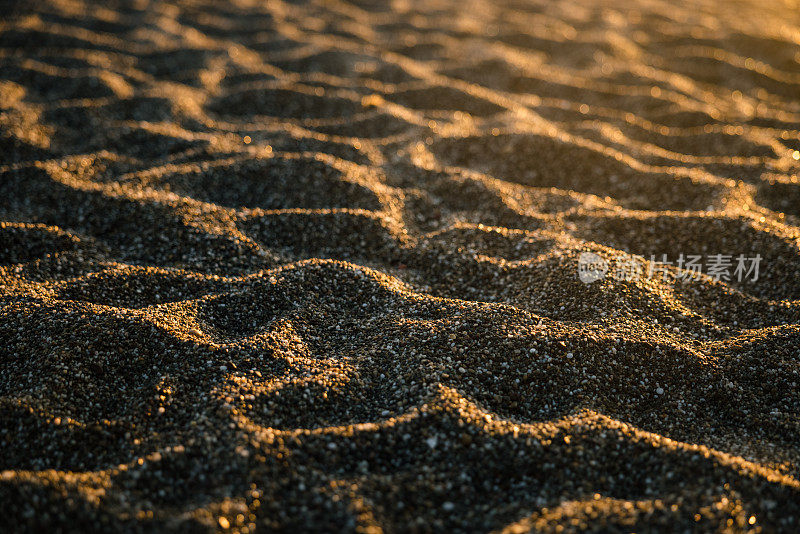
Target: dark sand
(313, 266)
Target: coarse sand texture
(399, 266)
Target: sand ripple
(314, 265)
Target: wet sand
(316, 266)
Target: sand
(314, 266)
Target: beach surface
(395, 266)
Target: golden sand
(316, 266)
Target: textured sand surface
(313, 266)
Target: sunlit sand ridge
(316, 266)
